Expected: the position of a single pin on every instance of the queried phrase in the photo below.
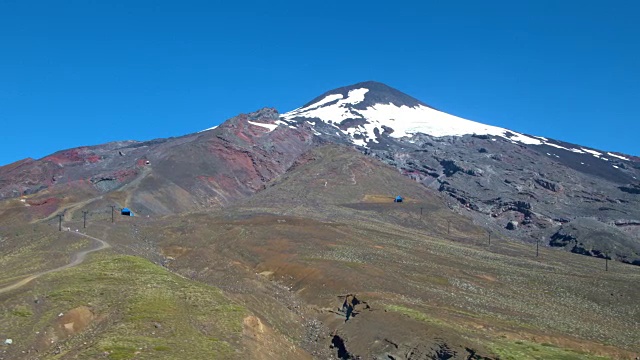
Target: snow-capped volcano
(369, 110)
(368, 113)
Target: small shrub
(121, 352)
(21, 311)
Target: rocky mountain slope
(539, 188)
(166, 176)
(523, 186)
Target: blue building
(126, 212)
(398, 199)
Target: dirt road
(77, 259)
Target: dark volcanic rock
(631, 188)
(105, 183)
(522, 184)
(549, 185)
(593, 238)
(339, 345)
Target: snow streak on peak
(269, 127)
(211, 128)
(618, 156)
(327, 106)
(404, 120)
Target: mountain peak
(376, 93)
(369, 111)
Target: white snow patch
(605, 159)
(280, 122)
(327, 99)
(564, 148)
(270, 127)
(618, 156)
(407, 121)
(359, 142)
(592, 152)
(615, 167)
(211, 128)
(336, 112)
(355, 96)
(404, 120)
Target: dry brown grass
(496, 295)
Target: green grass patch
(21, 311)
(526, 350)
(414, 314)
(120, 352)
(151, 313)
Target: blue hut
(398, 199)
(126, 212)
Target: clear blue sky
(85, 72)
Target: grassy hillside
(267, 278)
(120, 307)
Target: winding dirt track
(77, 259)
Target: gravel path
(77, 259)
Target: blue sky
(86, 72)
